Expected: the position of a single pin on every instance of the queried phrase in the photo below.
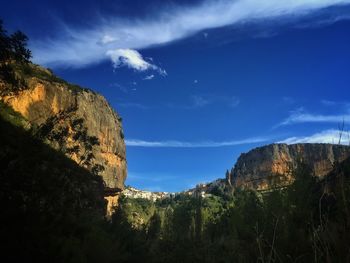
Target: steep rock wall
(43, 99)
(272, 164)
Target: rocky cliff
(272, 164)
(47, 100)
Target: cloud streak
(182, 144)
(328, 136)
(83, 46)
(149, 77)
(299, 116)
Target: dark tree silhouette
(13, 50)
(58, 128)
(13, 47)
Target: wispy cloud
(328, 102)
(300, 116)
(340, 104)
(182, 144)
(106, 39)
(200, 101)
(82, 46)
(149, 77)
(327, 136)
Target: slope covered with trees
(307, 221)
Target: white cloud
(149, 77)
(128, 57)
(106, 39)
(80, 47)
(132, 59)
(299, 116)
(200, 101)
(181, 144)
(327, 136)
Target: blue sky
(199, 82)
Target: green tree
(154, 226)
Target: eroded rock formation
(270, 165)
(46, 97)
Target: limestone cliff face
(45, 98)
(272, 164)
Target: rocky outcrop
(46, 96)
(270, 165)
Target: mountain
(45, 96)
(73, 120)
(272, 165)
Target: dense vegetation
(305, 222)
(13, 49)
